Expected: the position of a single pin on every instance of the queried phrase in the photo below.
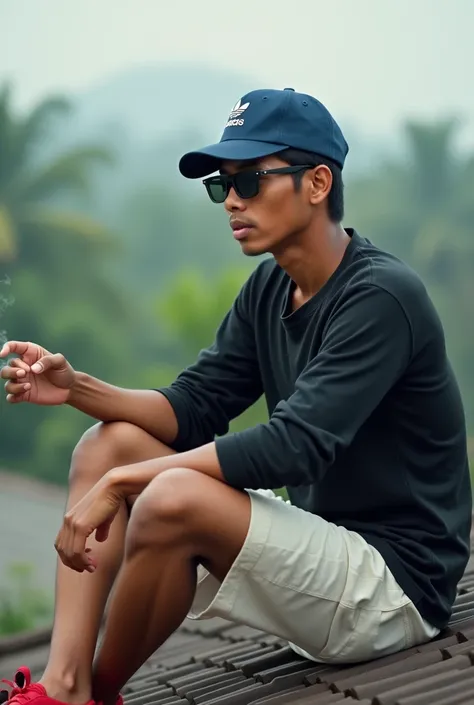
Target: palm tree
(29, 189)
(421, 208)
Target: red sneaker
(24, 692)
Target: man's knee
(168, 510)
(101, 447)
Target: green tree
(29, 189)
(165, 229)
(190, 312)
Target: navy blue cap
(266, 122)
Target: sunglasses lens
(246, 184)
(217, 190)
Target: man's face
(267, 221)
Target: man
(366, 431)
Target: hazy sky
(376, 61)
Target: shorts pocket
(342, 634)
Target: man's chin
(252, 249)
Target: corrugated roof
(214, 662)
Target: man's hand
(36, 376)
(98, 508)
(95, 512)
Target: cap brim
(195, 165)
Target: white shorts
(318, 586)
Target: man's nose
(233, 202)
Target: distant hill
(167, 99)
(146, 112)
(150, 115)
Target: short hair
(335, 199)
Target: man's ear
(320, 183)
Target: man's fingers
(15, 369)
(68, 542)
(49, 362)
(17, 362)
(14, 346)
(71, 546)
(16, 398)
(80, 557)
(59, 546)
(65, 550)
(17, 387)
(102, 531)
(10, 372)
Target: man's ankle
(67, 688)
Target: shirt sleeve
(223, 382)
(366, 347)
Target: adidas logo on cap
(234, 118)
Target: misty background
(109, 256)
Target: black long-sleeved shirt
(366, 425)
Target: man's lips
(240, 229)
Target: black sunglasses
(245, 183)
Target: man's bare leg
(81, 597)
(181, 518)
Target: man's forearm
(133, 479)
(145, 408)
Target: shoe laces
(21, 687)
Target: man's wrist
(75, 389)
(127, 480)
(117, 480)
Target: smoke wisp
(6, 300)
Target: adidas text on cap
(266, 122)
